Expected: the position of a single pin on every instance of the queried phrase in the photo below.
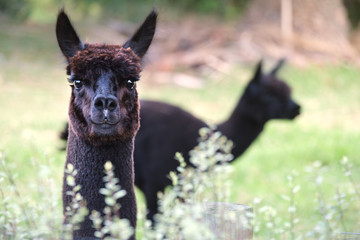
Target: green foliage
(183, 209)
(223, 8)
(108, 224)
(353, 11)
(332, 215)
(183, 214)
(24, 216)
(44, 11)
(15, 9)
(76, 212)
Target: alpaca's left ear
(142, 38)
(67, 38)
(258, 73)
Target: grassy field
(34, 100)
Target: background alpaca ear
(142, 38)
(258, 72)
(277, 67)
(67, 38)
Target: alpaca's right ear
(258, 73)
(142, 38)
(277, 67)
(67, 38)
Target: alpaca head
(104, 104)
(267, 97)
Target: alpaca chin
(105, 130)
(106, 134)
(293, 114)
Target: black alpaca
(103, 114)
(166, 129)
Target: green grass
(34, 100)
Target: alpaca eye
(130, 84)
(78, 84)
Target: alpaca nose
(295, 109)
(102, 103)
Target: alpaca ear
(277, 67)
(258, 73)
(142, 38)
(67, 38)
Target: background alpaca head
(268, 97)
(104, 103)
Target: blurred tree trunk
(315, 25)
(323, 19)
(319, 18)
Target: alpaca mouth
(105, 128)
(105, 122)
(295, 113)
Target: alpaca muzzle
(293, 110)
(105, 115)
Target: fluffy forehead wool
(278, 86)
(123, 62)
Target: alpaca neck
(89, 161)
(241, 128)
